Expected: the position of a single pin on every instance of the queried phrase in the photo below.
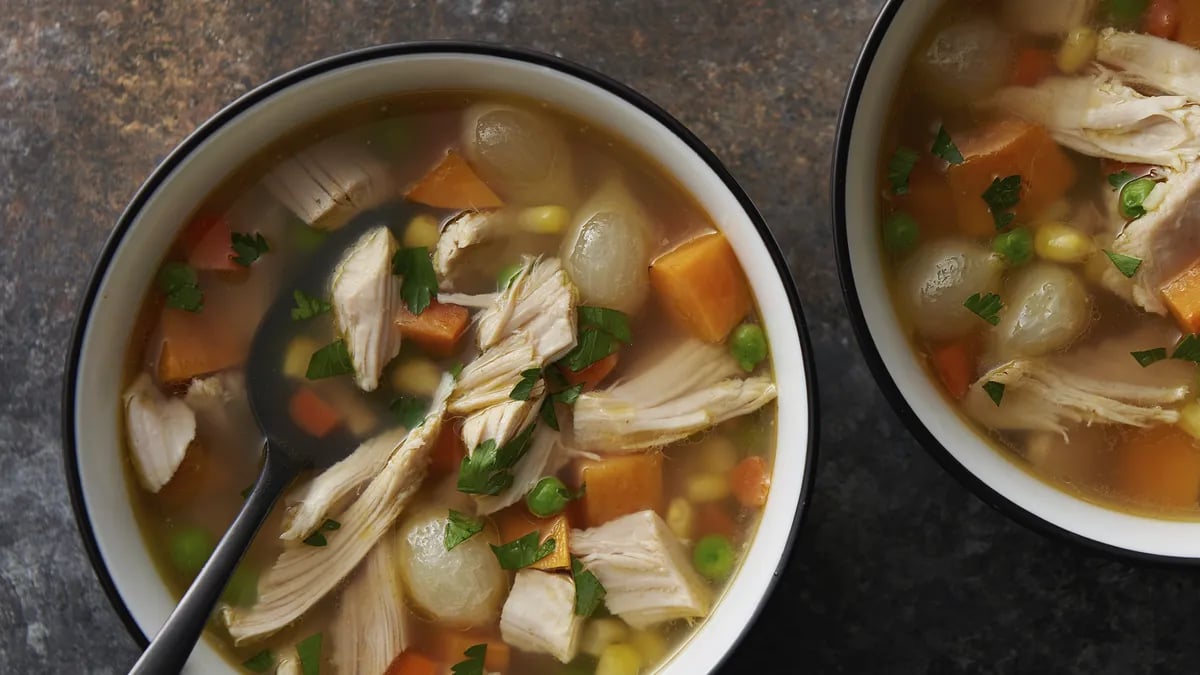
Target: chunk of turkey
(645, 571)
(468, 229)
(545, 457)
(160, 430)
(1055, 17)
(500, 423)
(371, 627)
(490, 378)
(1152, 62)
(223, 415)
(302, 574)
(691, 387)
(540, 300)
(310, 503)
(328, 183)
(1099, 116)
(539, 615)
(366, 297)
(1166, 240)
(1040, 395)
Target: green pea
(1125, 13)
(190, 548)
(507, 274)
(1133, 195)
(1016, 245)
(548, 497)
(900, 232)
(390, 139)
(748, 344)
(713, 557)
(306, 239)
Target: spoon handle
(173, 644)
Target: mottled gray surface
(899, 569)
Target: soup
(1039, 223)
(545, 357)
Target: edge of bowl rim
(880, 371)
(262, 92)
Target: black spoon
(288, 449)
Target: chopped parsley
(610, 321)
(1001, 197)
(309, 651)
(317, 539)
(456, 370)
(1119, 179)
(179, 283)
(473, 665)
(330, 361)
(1145, 358)
(601, 333)
(248, 247)
(899, 168)
(1125, 264)
(566, 396)
(524, 551)
(995, 391)
(260, 662)
(1188, 349)
(460, 528)
(524, 389)
(569, 395)
(986, 306)
(945, 148)
(409, 411)
(1133, 196)
(307, 306)
(487, 471)
(589, 592)
(420, 282)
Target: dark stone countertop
(898, 569)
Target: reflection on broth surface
(1040, 227)
(554, 375)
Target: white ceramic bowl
(92, 433)
(954, 443)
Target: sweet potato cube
(437, 330)
(1000, 149)
(194, 344)
(701, 284)
(1159, 466)
(453, 184)
(620, 485)
(1189, 24)
(1182, 295)
(515, 522)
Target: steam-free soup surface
(1039, 224)
(546, 357)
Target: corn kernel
(619, 659)
(681, 517)
(1189, 419)
(297, 356)
(1077, 50)
(718, 454)
(422, 230)
(650, 644)
(360, 419)
(543, 219)
(417, 376)
(1062, 243)
(707, 487)
(598, 634)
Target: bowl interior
(95, 455)
(911, 392)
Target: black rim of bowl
(879, 369)
(265, 91)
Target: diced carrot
(209, 245)
(702, 285)
(1182, 295)
(1001, 149)
(620, 485)
(312, 414)
(928, 200)
(750, 481)
(453, 184)
(1161, 466)
(954, 363)
(1162, 18)
(412, 663)
(437, 330)
(593, 375)
(449, 646)
(1188, 30)
(1032, 65)
(448, 451)
(714, 518)
(196, 344)
(515, 522)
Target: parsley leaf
(601, 332)
(460, 528)
(316, 540)
(1145, 358)
(1119, 179)
(248, 247)
(1133, 195)
(179, 283)
(589, 592)
(330, 361)
(1001, 196)
(309, 651)
(569, 395)
(523, 552)
(986, 307)
(456, 370)
(549, 414)
(995, 391)
(487, 471)
(1125, 264)
(474, 664)
(260, 662)
(945, 148)
(331, 524)
(409, 411)
(899, 168)
(610, 321)
(524, 389)
(420, 282)
(307, 306)
(1188, 349)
